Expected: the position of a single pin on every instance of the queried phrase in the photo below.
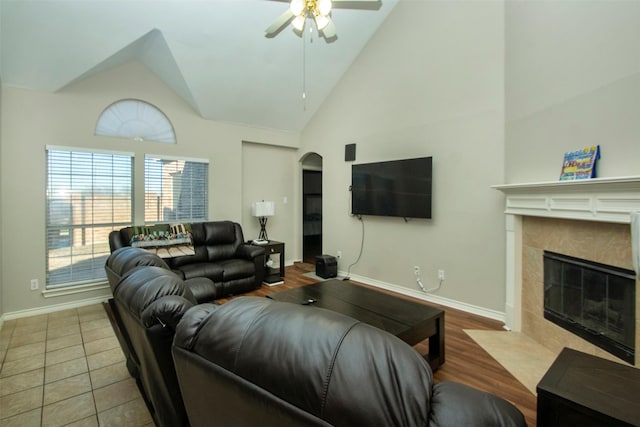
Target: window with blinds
(175, 189)
(88, 194)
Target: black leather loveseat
(221, 255)
(259, 362)
(148, 301)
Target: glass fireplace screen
(592, 300)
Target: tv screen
(399, 188)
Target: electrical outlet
(34, 284)
(416, 270)
(440, 274)
(339, 254)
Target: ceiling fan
(318, 10)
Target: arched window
(137, 120)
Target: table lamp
(262, 210)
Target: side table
(584, 390)
(273, 276)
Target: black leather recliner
(221, 255)
(149, 301)
(124, 259)
(255, 361)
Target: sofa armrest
(250, 252)
(454, 404)
(257, 254)
(191, 323)
(166, 311)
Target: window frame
(148, 182)
(52, 225)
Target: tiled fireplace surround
(588, 220)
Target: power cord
(419, 282)
(361, 247)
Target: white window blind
(175, 189)
(137, 120)
(88, 194)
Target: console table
(584, 390)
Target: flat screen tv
(400, 188)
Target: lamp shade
(261, 209)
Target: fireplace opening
(592, 300)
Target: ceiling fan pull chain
(304, 72)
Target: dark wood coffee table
(410, 321)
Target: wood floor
(466, 362)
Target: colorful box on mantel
(580, 164)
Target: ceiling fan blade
(357, 4)
(279, 23)
(330, 30)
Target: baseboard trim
(462, 306)
(52, 308)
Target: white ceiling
(212, 53)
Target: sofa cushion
(201, 253)
(220, 233)
(210, 270)
(236, 269)
(222, 239)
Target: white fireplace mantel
(597, 199)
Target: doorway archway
(311, 207)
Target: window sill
(70, 290)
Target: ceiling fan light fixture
(296, 7)
(298, 22)
(322, 22)
(324, 7)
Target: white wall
(1, 206)
(572, 80)
(429, 83)
(270, 173)
(31, 120)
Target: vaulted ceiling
(212, 53)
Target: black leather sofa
(221, 255)
(148, 301)
(255, 361)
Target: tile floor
(66, 368)
(519, 354)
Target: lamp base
(263, 228)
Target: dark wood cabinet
(584, 390)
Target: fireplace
(587, 219)
(592, 300)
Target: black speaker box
(326, 266)
(349, 152)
